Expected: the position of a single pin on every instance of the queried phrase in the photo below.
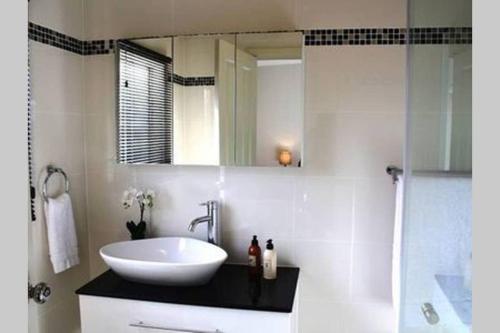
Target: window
(144, 105)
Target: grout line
(86, 169)
(353, 232)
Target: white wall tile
(64, 16)
(324, 209)
(371, 274)
(266, 218)
(427, 150)
(105, 215)
(127, 18)
(114, 19)
(59, 140)
(444, 13)
(100, 84)
(100, 137)
(342, 79)
(428, 88)
(105, 190)
(374, 210)
(353, 13)
(353, 145)
(98, 240)
(179, 193)
(325, 270)
(57, 83)
(247, 184)
(368, 317)
(193, 16)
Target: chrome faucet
(213, 220)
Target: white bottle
(270, 261)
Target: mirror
(269, 99)
(204, 100)
(211, 100)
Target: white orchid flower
(139, 195)
(126, 203)
(127, 198)
(150, 195)
(144, 199)
(132, 191)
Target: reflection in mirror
(269, 99)
(144, 96)
(181, 101)
(176, 100)
(441, 106)
(204, 81)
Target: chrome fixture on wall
(50, 171)
(213, 220)
(39, 293)
(394, 172)
(430, 314)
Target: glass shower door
(436, 252)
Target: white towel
(396, 250)
(63, 245)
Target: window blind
(145, 109)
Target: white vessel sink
(170, 261)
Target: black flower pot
(137, 231)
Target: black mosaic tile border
(361, 36)
(199, 81)
(451, 35)
(178, 79)
(51, 37)
(194, 80)
(316, 37)
(98, 47)
(388, 36)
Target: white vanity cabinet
(231, 302)
(107, 315)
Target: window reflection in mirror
(269, 99)
(176, 100)
(144, 95)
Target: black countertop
(231, 287)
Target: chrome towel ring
(50, 171)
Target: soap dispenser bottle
(270, 261)
(254, 257)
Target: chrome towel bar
(394, 172)
(50, 171)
